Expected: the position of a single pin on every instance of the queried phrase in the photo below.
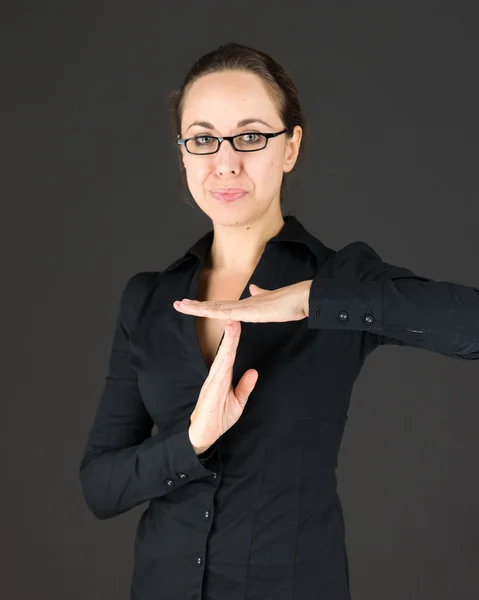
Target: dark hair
(234, 56)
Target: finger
(224, 359)
(221, 370)
(229, 344)
(232, 335)
(245, 386)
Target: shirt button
(369, 319)
(199, 560)
(343, 316)
(169, 482)
(207, 513)
(181, 475)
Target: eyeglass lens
(204, 144)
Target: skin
(241, 229)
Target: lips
(228, 190)
(228, 194)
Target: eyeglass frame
(230, 139)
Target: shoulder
(356, 251)
(359, 260)
(137, 285)
(135, 292)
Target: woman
(240, 478)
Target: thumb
(255, 289)
(245, 386)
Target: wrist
(196, 447)
(307, 286)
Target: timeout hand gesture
(219, 406)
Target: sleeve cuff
(335, 304)
(208, 453)
(185, 464)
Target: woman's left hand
(290, 303)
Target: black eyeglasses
(243, 142)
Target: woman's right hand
(219, 406)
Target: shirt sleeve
(392, 305)
(123, 464)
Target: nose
(227, 160)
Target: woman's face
(220, 101)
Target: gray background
(90, 195)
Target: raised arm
(393, 305)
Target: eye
(252, 139)
(206, 139)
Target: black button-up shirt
(257, 516)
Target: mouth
(228, 195)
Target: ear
(292, 149)
(183, 153)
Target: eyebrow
(241, 123)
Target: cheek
(273, 168)
(275, 161)
(196, 172)
(264, 168)
(264, 172)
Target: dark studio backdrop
(90, 195)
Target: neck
(238, 247)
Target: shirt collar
(292, 231)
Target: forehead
(226, 97)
